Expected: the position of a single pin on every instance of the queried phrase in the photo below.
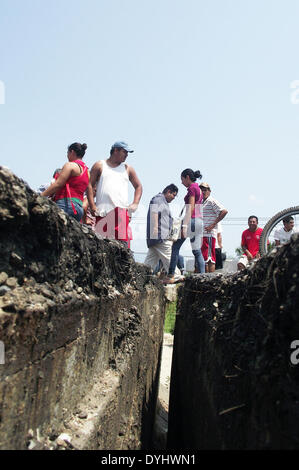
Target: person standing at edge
(71, 183)
(213, 212)
(110, 178)
(192, 225)
(159, 224)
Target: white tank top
(112, 188)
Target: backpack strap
(68, 192)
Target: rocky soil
(233, 382)
(82, 325)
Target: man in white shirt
(110, 178)
(283, 235)
(213, 212)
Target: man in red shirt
(250, 243)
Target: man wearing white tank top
(111, 179)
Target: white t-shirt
(211, 210)
(282, 236)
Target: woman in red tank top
(71, 183)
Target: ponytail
(193, 175)
(79, 149)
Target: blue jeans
(65, 205)
(181, 263)
(194, 232)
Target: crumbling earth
(82, 325)
(234, 385)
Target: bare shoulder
(97, 166)
(96, 172)
(130, 170)
(68, 167)
(133, 177)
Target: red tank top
(77, 184)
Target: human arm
(247, 252)
(68, 170)
(153, 218)
(85, 207)
(90, 198)
(218, 219)
(189, 211)
(138, 189)
(95, 174)
(276, 238)
(155, 224)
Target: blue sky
(193, 84)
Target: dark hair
(193, 175)
(79, 149)
(172, 188)
(253, 217)
(58, 170)
(288, 219)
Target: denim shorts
(66, 206)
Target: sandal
(173, 280)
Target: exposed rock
(79, 329)
(233, 385)
(11, 282)
(3, 278)
(4, 289)
(171, 292)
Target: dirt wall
(82, 329)
(235, 378)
